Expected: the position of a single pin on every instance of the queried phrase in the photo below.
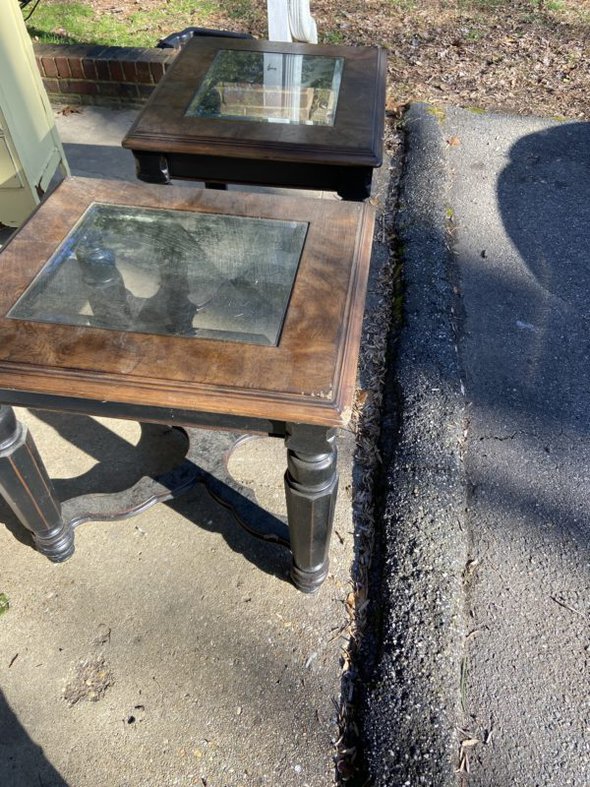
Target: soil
(513, 57)
(525, 56)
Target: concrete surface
(494, 241)
(205, 663)
(171, 649)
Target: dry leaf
(70, 110)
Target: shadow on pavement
(120, 464)
(100, 161)
(544, 201)
(526, 353)
(22, 762)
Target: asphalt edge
(411, 711)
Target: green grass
(331, 37)
(73, 23)
(4, 603)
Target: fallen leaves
(514, 57)
(501, 58)
(464, 751)
(69, 110)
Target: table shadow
(120, 464)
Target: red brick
(88, 68)
(129, 71)
(99, 74)
(82, 86)
(157, 70)
(116, 71)
(108, 88)
(49, 67)
(76, 69)
(143, 72)
(118, 89)
(102, 69)
(63, 67)
(51, 85)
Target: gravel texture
(413, 698)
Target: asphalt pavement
(485, 646)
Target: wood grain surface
(355, 139)
(309, 376)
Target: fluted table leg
(28, 490)
(311, 484)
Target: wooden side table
(267, 113)
(187, 307)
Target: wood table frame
(300, 390)
(168, 144)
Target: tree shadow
(526, 342)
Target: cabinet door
(30, 148)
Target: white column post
(278, 20)
(291, 20)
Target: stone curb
(412, 705)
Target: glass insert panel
(170, 272)
(269, 87)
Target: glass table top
(170, 272)
(270, 87)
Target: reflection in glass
(170, 272)
(270, 87)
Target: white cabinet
(30, 148)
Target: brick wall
(101, 75)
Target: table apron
(144, 413)
(352, 180)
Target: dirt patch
(92, 678)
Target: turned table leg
(28, 490)
(311, 484)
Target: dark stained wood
(256, 148)
(309, 377)
(27, 488)
(311, 486)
